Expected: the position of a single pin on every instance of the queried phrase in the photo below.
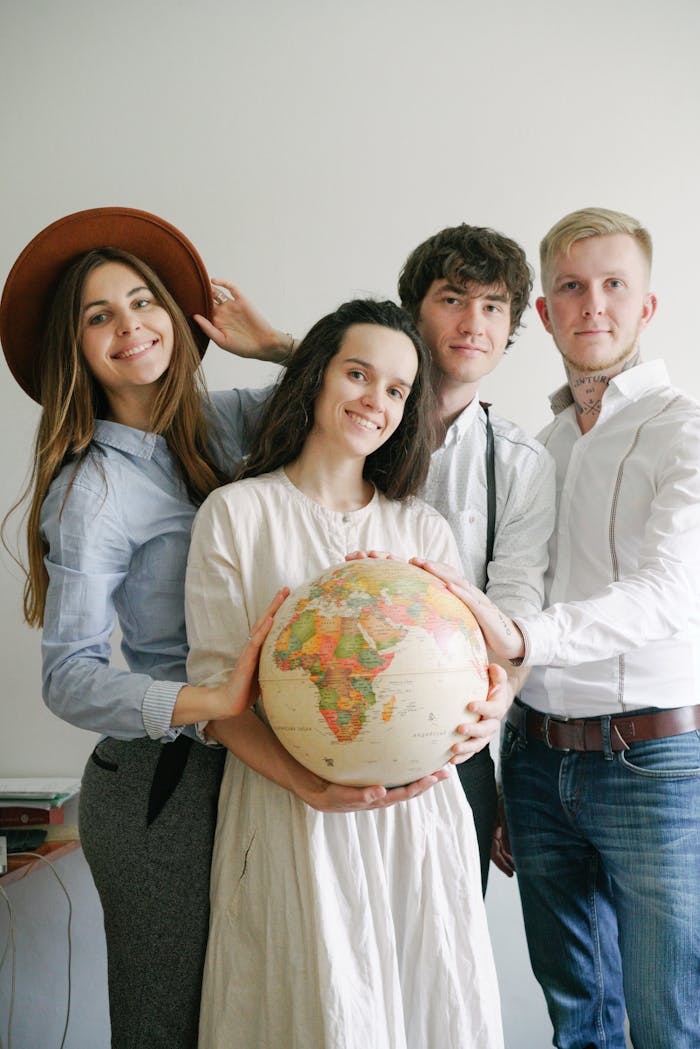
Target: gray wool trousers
(149, 850)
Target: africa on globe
(367, 672)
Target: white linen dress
(329, 931)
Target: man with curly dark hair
(467, 288)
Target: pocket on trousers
(673, 757)
(99, 758)
(510, 742)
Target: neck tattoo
(588, 390)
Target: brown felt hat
(34, 278)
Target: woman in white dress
(342, 917)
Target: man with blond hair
(601, 754)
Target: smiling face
(597, 302)
(364, 391)
(126, 338)
(466, 330)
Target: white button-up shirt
(525, 499)
(624, 557)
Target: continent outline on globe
(347, 634)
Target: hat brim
(34, 278)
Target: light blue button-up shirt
(118, 538)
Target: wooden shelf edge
(19, 865)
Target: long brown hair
(400, 466)
(72, 400)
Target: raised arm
(238, 327)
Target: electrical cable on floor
(11, 939)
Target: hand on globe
(205, 705)
(366, 673)
(360, 555)
(490, 711)
(333, 797)
(240, 689)
(502, 635)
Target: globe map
(367, 672)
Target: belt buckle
(547, 721)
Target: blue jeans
(607, 852)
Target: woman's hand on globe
(382, 555)
(332, 797)
(490, 712)
(502, 635)
(240, 689)
(206, 704)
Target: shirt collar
(126, 439)
(463, 421)
(631, 384)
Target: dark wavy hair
(399, 467)
(466, 255)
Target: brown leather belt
(625, 729)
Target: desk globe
(367, 671)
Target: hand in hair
(236, 326)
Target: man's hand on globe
(490, 711)
(502, 635)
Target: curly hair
(467, 255)
(399, 467)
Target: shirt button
(346, 518)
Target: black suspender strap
(490, 487)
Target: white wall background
(306, 148)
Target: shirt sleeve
(515, 575)
(87, 561)
(657, 601)
(234, 416)
(215, 610)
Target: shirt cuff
(157, 710)
(522, 625)
(200, 727)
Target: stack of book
(37, 810)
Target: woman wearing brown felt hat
(96, 323)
